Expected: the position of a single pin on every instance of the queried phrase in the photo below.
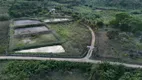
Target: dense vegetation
(34, 8)
(38, 70)
(127, 23)
(41, 70)
(4, 17)
(4, 36)
(129, 4)
(28, 9)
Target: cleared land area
(77, 37)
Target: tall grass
(4, 17)
(4, 28)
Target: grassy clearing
(77, 37)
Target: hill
(129, 4)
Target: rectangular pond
(48, 49)
(25, 22)
(30, 30)
(56, 20)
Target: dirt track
(68, 59)
(89, 54)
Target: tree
(121, 16)
(132, 76)
(112, 34)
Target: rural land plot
(32, 37)
(77, 37)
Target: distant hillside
(131, 4)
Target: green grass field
(77, 37)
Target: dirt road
(91, 47)
(68, 59)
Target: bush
(112, 34)
(100, 24)
(4, 17)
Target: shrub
(100, 24)
(4, 17)
(126, 23)
(112, 34)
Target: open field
(77, 37)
